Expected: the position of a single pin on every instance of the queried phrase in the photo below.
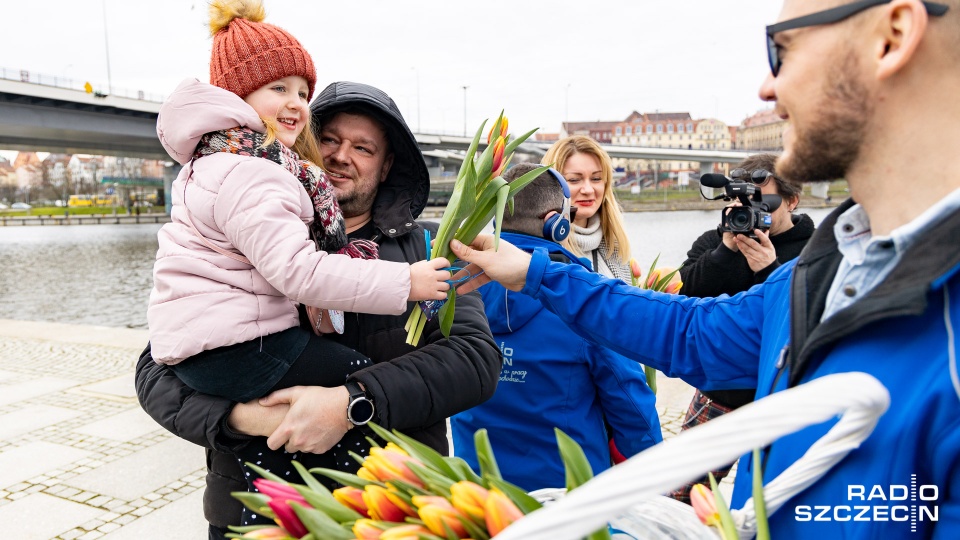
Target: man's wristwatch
(359, 406)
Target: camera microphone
(713, 180)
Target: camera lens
(741, 220)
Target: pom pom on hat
(249, 53)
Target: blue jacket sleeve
(628, 404)
(711, 343)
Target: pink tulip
(499, 512)
(635, 272)
(276, 490)
(352, 498)
(469, 498)
(673, 287)
(705, 506)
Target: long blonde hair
(306, 144)
(611, 218)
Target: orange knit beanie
(249, 53)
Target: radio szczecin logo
(901, 503)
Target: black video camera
(757, 207)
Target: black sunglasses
(830, 16)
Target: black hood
(402, 197)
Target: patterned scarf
(327, 229)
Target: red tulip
(276, 490)
(469, 498)
(390, 463)
(352, 498)
(705, 506)
(380, 507)
(502, 132)
(499, 512)
(287, 518)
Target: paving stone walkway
(79, 459)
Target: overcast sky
(543, 61)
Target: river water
(102, 274)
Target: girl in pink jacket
(256, 230)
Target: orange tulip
(501, 133)
(673, 287)
(498, 148)
(499, 512)
(379, 505)
(352, 498)
(404, 532)
(469, 498)
(366, 529)
(435, 511)
(399, 502)
(705, 506)
(390, 463)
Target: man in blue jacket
(551, 377)
(869, 89)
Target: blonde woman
(599, 234)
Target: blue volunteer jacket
(553, 378)
(903, 333)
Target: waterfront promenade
(79, 459)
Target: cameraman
(726, 263)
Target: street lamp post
(465, 110)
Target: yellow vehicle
(92, 200)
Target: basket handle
(683, 458)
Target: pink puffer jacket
(253, 207)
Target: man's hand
(316, 421)
(508, 264)
(760, 254)
(252, 418)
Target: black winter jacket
(712, 269)
(413, 389)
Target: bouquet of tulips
(662, 279)
(403, 491)
(479, 194)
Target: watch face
(361, 411)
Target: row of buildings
(762, 131)
(50, 179)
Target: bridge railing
(56, 81)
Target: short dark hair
(540, 197)
(787, 188)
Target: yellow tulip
(389, 463)
(404, 532)
(469, 498)
(499, 512)
(351, 497)
(380, 507)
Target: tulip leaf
(475, 143)
(526, 178)
(326, 503)
(464, 470)
(436, 481)
(502, 194)
(319, 524)
(727, 527)
(475, 531)
(512, 145)
(309, 479)
(578, 470)
(600, 534)
(485, 458)
(346, 479)
(448, 311)
(759, 504)
(407, 490)
(243, 529)
(665, 280)
(257, 502)
(652, 267)
(356, 457)
(650, 373)
(265, 473)
(525, 503)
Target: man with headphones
(550, 376)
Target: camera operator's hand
(729, 239)
(759, 253)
